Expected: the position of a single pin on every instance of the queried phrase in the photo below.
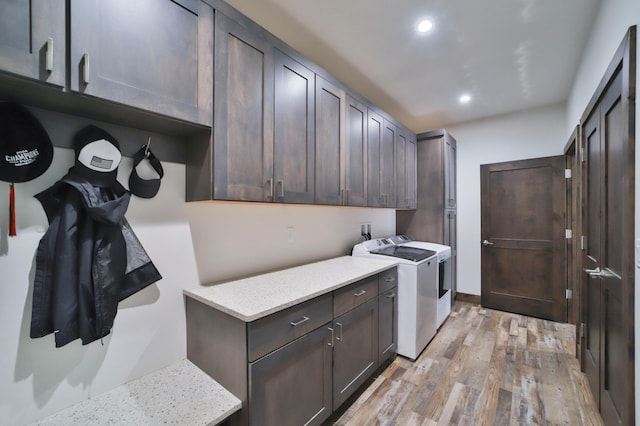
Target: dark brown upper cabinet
(341, 147)
(330, 127)
(405, 169)
(294, 141)
(32, 39)
(243, 133)
(149, 54)
(355, 170)
(388, 164)
(375, 125)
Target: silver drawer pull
(390, 295)
(390, 278)
(360, 293)
(49, 55)
(297, 323)
(331, 342)
(339, 338)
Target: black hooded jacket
(88, 260)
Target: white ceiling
(508, 54)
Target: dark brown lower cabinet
(298, 365)
(355, 352)
(296, 376)
(387, 324)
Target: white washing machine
(444, 272)
(417, 291)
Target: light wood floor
(484, 367)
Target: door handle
(487, 243)
(270, 183)
(599, 272)
(86, 70)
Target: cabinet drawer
(355, 294)
(388, 279)
(280, 328)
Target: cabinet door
(294, 145)
(450, 239)
(292, 385)
(32, 39)
(355, 162)
(155, 55)
(330, 107)
(387, 324)
(387, 164)
(355, 354)
(243, 133)
(375, 125)
(411, 173)
(401, 169)
(449, 173)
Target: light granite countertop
(180, 394)
(252, 298)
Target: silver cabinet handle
(347, 194)
(270, 183)
(281, 184)
(390, 295)
(301, 321)
(331, 342)
(86, 69)
(339, 337)
(360, 293)
(487, 243)
(49, 55)
(390, 278)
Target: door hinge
(583, 242)
(568, 234)
(568, 294)
(567, 173)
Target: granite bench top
(255, 297)
(180, 394)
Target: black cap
(145, 188)
(26, 151)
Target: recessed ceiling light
(464, 99)
(425, 26)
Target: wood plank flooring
(484, 367)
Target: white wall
(518, 136)
(230, 240)
(235, 239)
(613, 20)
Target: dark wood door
(294, 140)
(150, 54)
(606, 346)
(355, 163)
(32, 39)
(243, 134)
(522, 207)
(330, 106)
(355, 353)
(292, 385)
